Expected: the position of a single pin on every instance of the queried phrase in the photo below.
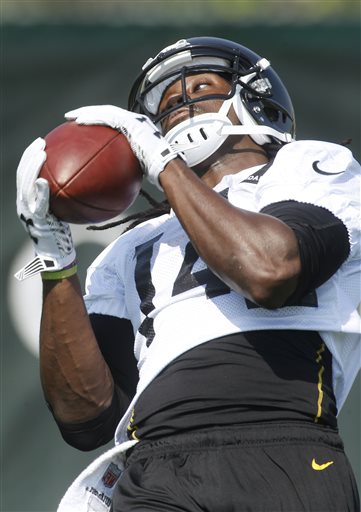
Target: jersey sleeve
(115, 338)
(316, 230)
(319, 173)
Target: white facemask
(201, 136)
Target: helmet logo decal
(179, 44)
(182, 43)
(262, 85)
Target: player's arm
(88, 398)
(77, 382)
(255, 254)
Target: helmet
(258, 96)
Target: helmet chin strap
(200, 136)
(257, 130)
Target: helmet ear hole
(272, 114)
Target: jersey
(153, 276)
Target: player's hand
(51, 237)
(147, 143)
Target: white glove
(51, 237)
(147, 143)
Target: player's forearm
(255, 254)
(76, 380)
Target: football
(92, 172)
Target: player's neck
(234, 157)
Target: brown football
(92, 172)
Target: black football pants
(290, 467)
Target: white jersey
(152, 276)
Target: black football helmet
(257, 94)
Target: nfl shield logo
(111, 475)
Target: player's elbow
(95, 432)
(86, 441)
(274, 292)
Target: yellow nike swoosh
(320, 467)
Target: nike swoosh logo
(320, 467)
(319, 171)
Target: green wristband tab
(60, 274)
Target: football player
(218, 341)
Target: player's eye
(201, 86)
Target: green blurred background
(59, 55)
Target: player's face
(199, 85)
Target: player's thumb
(41, 206)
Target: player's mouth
(180, 115)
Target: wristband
(60, 274)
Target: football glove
(51, 237)
(147, 143)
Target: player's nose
(176, 94)
(174, 99)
